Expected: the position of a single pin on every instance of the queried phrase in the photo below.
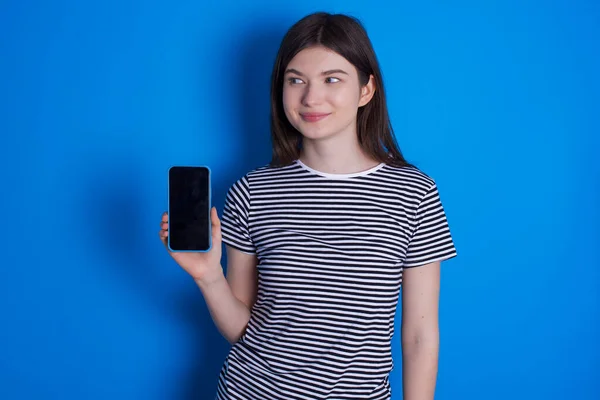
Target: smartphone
(189, 209)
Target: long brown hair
(346, 36)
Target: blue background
(498, 101)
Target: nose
(312, 96)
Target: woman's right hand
(203, 267)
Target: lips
(313, 117)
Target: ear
(367, 92)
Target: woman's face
(322, 94)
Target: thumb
(216, 225)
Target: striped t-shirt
(331, 251)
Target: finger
(163, 238)
(164, 226)
(165, 217)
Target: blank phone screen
(189, 209)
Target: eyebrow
(329, 72)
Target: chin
(315, 133)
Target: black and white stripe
(331, 252)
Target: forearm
(419, 368)
(229, 314)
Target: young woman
(320, 241)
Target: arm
(420, 331)
(230, 299)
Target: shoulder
(408, 179)
(269, 172)
(263, 175)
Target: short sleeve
(431, 239)
(235, 222)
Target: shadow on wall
(254, 56)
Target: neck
(336, 155)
